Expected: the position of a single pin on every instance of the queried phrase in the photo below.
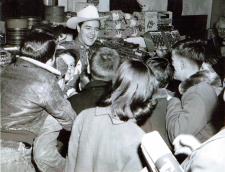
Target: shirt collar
(41, 65)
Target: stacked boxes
(161, 20)
(120, 25)
(123, 25)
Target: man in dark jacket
(104, 64)
(87, 25)
(33, 108)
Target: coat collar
(41, 65)
(107, 111)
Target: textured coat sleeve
(73, 144)
(59, 107)
(133, 163)
(188, 115)
(209, 157)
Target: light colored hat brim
(74, 21)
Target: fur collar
(207, 76)
(42, 65)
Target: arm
(133, 162)
(56, 105)
(186, 116)
(73, 144)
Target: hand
(71, 92)
(185, 144)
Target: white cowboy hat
(86, 14)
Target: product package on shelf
(160, 20)
(125, 25)
(115, 24)
(121, 25)
(126, 50)
(155, 39)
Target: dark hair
(162, 69)
(133, 86)
(39, 46)
(70, 52)
(191, 49)
(104, 63)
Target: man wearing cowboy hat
(87, 25)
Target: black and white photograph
(112, 85)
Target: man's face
(88, 32)
(178, 66)
(221, 29)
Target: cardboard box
(155, 20)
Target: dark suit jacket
(157, 121)
(91, 95)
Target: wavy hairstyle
(39, 46)
(162, 69)
(133, 87)
(191, 49)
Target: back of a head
(133, 86)
(193, 50)
(162, 69)
(104, 63)
(39, 46)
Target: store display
(157, 39)
(161, 20)
(121, 25)
(15, 30)
(125, 49)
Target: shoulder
(202, 89)
(210, 156)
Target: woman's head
(133, 86)
(162, 70)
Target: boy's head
(39, 46)
(187, 58)
(104, 64)
(162, 69)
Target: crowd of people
(65, 107)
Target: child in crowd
(66, 63)
(163, 71)
(208, 156)
(193, 112)
(106, 138)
